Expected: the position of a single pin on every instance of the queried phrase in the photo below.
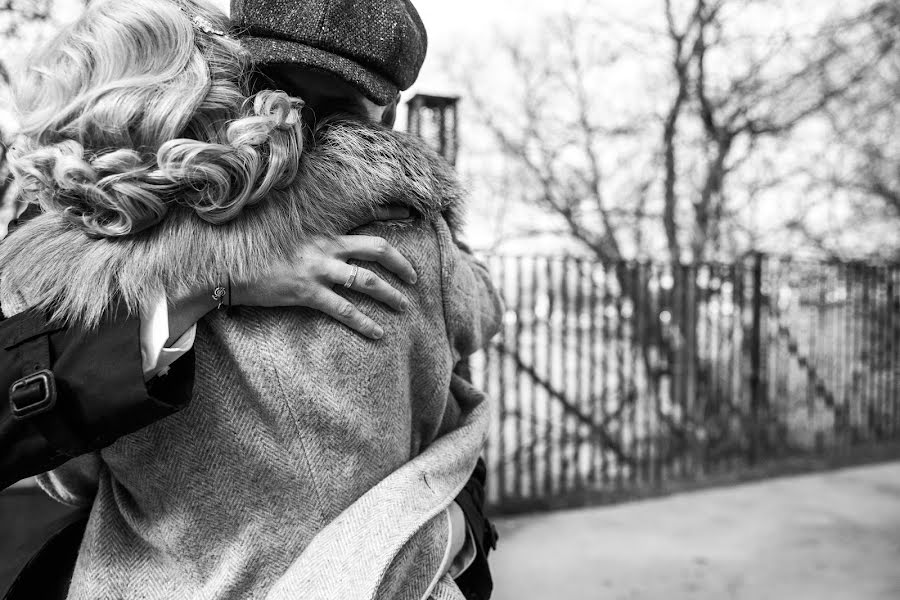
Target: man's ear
(389, 116)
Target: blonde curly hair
(144, 103)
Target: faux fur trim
(349, 171)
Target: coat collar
(347, 172)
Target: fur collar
(349, 170)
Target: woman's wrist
(186, 309)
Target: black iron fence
(612, 381)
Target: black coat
(65, 392)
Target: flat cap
(378, 46)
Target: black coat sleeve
(68, 391)
(476, 583)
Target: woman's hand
(317, 266)
(308, 279)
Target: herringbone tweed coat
(312, 462)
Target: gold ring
(352, 279)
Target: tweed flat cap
(378, 46)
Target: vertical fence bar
(853, 283)
(872, 341)
(765, 318)
(880, 347)
(655, 325)
(771, 349)
(534, 435)
(822, 370)
(872, 371)
(641, 357)
(593, 396)
(832, 364)
(891, 362)
(883, 358)
(607, 370)
(715, 369)
(857, 336)
(710, 409)
(692, 342)
(755, 363)
(811, 359)
(565, 440)
(846, 334)
(887, 332)
(780, 370)
(836, 329)
(581, 356)
(625, 339)
(548, 455)
(784, 403)
(679, 462)
(505, 455)
(733, 348)
(519, 392)
(741, 354)
(620, 378)
(854, 393)
(875, 354)
(634, 391)
(893, 353)
(865, 356)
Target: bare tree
(863, 165)
(691, 160)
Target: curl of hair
(113, 136)
(109, 196)
(261, 152)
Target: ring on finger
(352, 279)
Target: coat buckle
(33, 394)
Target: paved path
(831, 536)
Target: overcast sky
(455, 23)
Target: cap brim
(269, 50)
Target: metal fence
(621, 380)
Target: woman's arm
(104, 396)
(67, 391)
(308, 279)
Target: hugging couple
(194, 182)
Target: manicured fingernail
(404, 305)
(413, 278)
(378, 333)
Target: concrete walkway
(831, 536)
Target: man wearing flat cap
(375, 46)
(356, 56)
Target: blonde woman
(312, 462)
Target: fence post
(756, 401)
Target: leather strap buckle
(33, 394)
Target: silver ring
(352, 279)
